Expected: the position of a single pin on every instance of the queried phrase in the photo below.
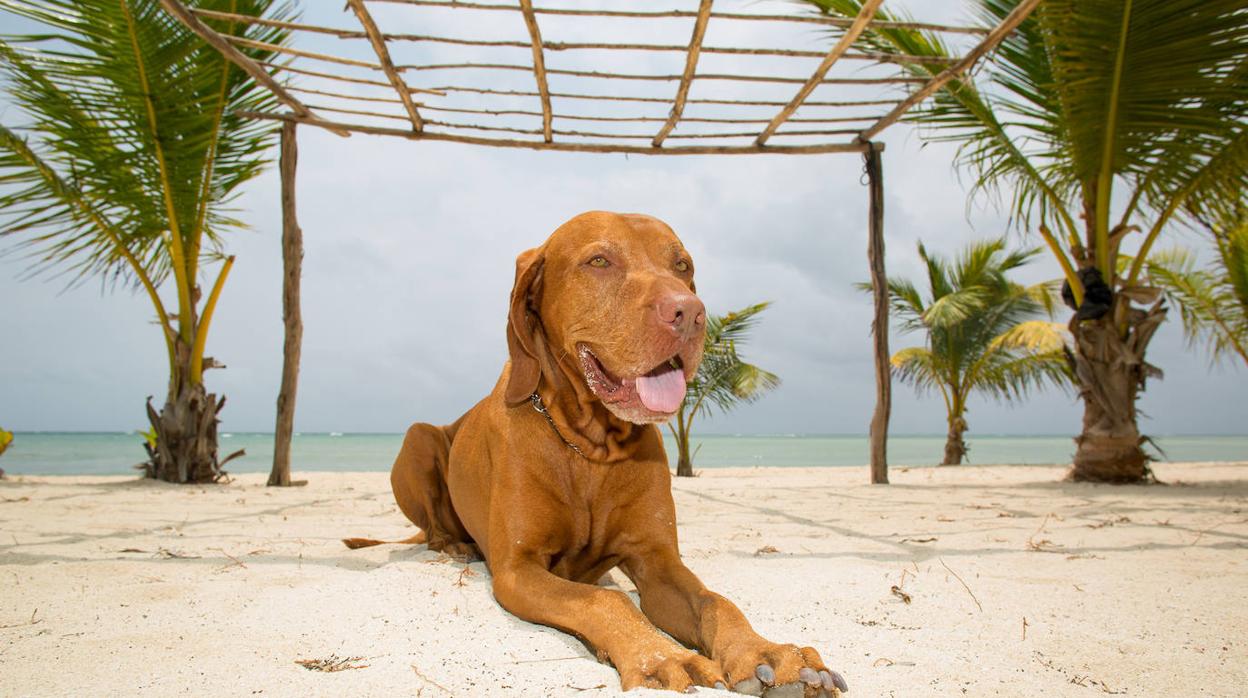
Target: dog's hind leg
(418, 479)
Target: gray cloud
(410, 252)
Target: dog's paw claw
(809, 676)
(832, 679)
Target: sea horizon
(119, 452)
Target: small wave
(335, 433)
(227, 436)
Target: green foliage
(1212, 302)
(724, 380)
(149, 437)
(129, 150)
(1089, 95)
(978, 328)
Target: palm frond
(138, 115)
(1213, 310)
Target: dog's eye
(600, 262)
(682, 266)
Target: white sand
(113, 586)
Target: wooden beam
(292, 318)
(183, 15)
(853, 147)
(539, 67)
(387, 65)
(686, 79)
(1009, 24)
(658, 100)
(879, 325)
(851, 34)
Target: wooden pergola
(573, 108)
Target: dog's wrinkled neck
(580, 418)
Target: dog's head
(610, 299)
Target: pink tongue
(662, 392)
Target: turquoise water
(58, 453)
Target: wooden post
(879, 326)
(292, 263)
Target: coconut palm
(1212, 302)
(125, 157)
(980, 335)
(724, 380)
(1096, 108)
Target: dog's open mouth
(660, 390)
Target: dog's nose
(682, 312)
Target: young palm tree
(128, 153)
(979, 338)
(1212, 302)
(723, 379)
(1095, 109)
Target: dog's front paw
(781, 671)
(673, 668)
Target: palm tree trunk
(955, 445)
(1110, 369)
(684, 464)
(186, 430)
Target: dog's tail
(355, 543)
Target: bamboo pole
(539, 66)
(292, 318)
(658, 100)
(686, 79)
(260, 75)
(579, 134)
(569, 117)
(854, 147)
(1002, 30)
(387, 65)
(847, 40)
(897, 80)
(879, 325)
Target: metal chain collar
(536, 401)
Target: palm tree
(979, 338)
(128, 156)
(723, 380)
(1092, 109)
(1212, 302)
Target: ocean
(78, 453)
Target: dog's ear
(522, 328)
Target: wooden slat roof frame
(421, 127)
(603, 140)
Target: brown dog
(559, 475)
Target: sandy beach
(955, 581)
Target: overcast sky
(410, 251)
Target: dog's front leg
(677, 601)
(608, 621)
